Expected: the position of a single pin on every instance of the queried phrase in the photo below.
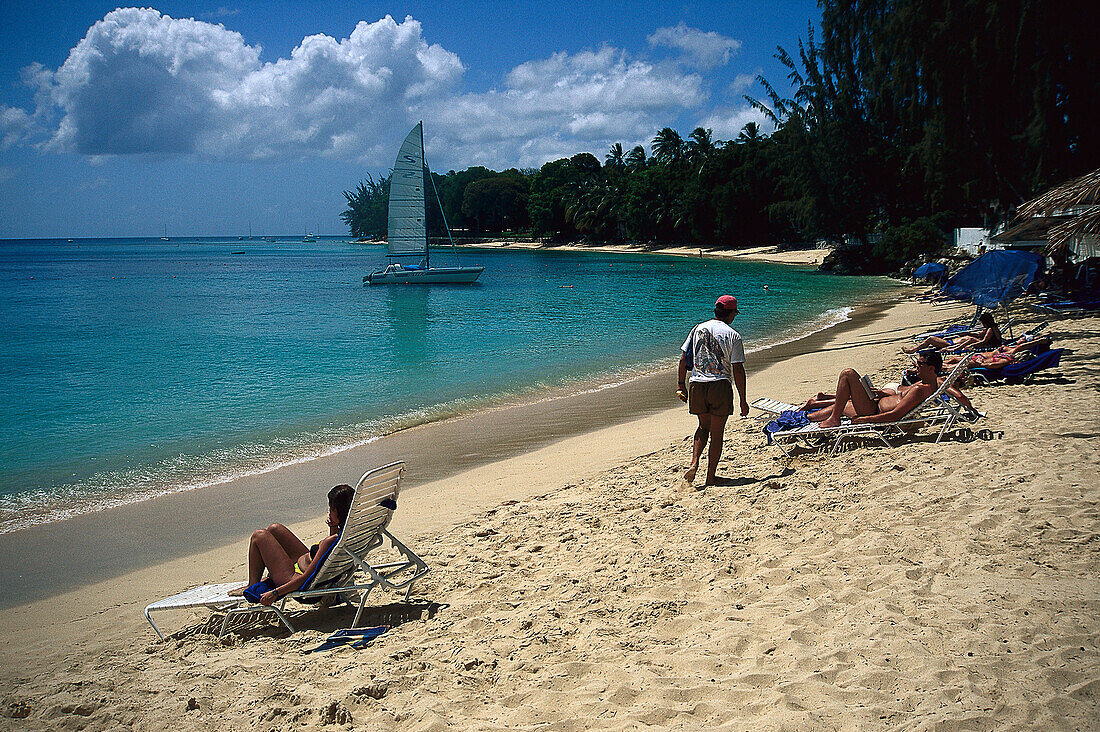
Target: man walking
(714, 354)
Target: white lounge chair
(937, 409)
(773, 406)
(336, 575)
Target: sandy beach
(582, 584)
(761, 254)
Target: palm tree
(749, 133)
(615, 156)
(700, 148)
(668, 147)
(635, 159)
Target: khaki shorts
(711, 397)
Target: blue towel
(252, 592)
(787, 420)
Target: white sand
(585, 585)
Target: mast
(426, 176)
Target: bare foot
(830, 422)
(689, 476)
(238, 591)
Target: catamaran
(407, 256)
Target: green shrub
(908, 240)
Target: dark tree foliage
(915, 116)
(452, 191)
(496, 204)
(975, 106)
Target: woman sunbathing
(287, 560)
(885, 405)
(989, 338)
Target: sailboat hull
(432, 276)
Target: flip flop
(355, 637)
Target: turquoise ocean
(132, 368)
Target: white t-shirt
(714, 348)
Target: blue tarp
(930, 271)
(995, 278)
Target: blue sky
(204, 118)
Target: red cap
(726, 302)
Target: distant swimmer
(765, 287)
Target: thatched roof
(1083, 191)
(1036, 228)
(1080, 233)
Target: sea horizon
(124, 383)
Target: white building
(973, 241)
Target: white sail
(408, 232)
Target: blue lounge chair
(1019, 373)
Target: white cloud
(742, 82)
(706, 48)
(16, 126)
(726, 124)
(141, 82)
(566, 103)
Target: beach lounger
(1068, 307)
(773, 406)
(1019, 373)
(935, 410)
(343, 574)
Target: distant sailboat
(309, 236)
(165, 237)
(408, 228)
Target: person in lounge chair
(851, 399)
(287, 560)
(1005, 355)
(988, 339)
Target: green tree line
(908, 118)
